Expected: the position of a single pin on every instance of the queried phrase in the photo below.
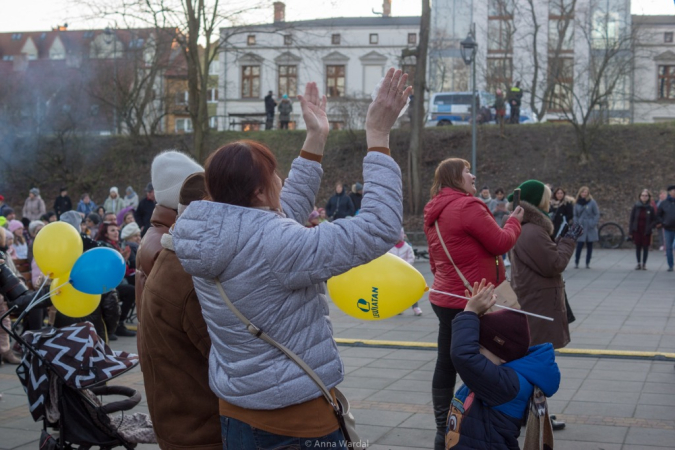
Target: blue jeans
(670, 240)
(589, 252)
(238, 435)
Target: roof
(654, 20)
(341, 22)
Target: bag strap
(464, 280)
(259, 333)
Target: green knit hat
(531, 191)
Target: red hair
(236, 171)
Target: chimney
(386, 8)
(279, 12)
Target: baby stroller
(63, 372)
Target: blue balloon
(98, 271)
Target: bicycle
(611, 235)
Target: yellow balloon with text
(377, 290)
(71, 302)
(56, 248)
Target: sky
(37, 15)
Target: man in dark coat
(515, 97)
(62, 203)
(356, 196)
(340, 205)
(145, 208)
(270, 104)
(666, 218)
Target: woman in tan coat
(537, 264)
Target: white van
(454, 108)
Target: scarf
(583, 201)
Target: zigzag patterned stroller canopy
(76, 354)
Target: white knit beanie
(169, 171)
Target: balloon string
(498, 306)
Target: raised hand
(314, 113)
(482, 299)
(384, 110)
(574, 231)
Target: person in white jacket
(404, 251)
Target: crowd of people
(226, 264)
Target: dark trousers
(127, 295)
(269, 121)
(283, 124)
(238, 435)
(644, 249)
(445, 374)
(589, 252)
(515, 115)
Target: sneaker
(670, 269)
(112, 337)
(417, 310)
(644, 267)
(124, 331)
(638, 267)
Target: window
(8, 58)
(183, 125)
(93, 110)
(213, 122)
(250, 82)
(181, 98)
(136, 43)
(560, 35)
(412, 38)
(88, 34)
(374, 38)
(43, 36)
(499, 73)
(335, 81)
(288, 80)
(250, 126)
(250, 40)
(335, 39)
(561, 74)
(500, 35)
(561, 8)
(212, 96)
(668, 37)
(500, 9)
(288, 39)
(16, 36)
(213, 67)
(666, 86)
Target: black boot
(124, 331)
(441, 399)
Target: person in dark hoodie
(492, 354)
(340, 205)
(357, 195)
(666, 217)
(62, 203)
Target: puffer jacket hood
(539, 368)
(273, 270)
(438, 203)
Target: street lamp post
(469, 47)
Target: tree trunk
(419, 89)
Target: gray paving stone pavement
(608, 403)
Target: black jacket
(62, 204)
(356, 199)
(143, 214)
(270, 104)
(340, 206)
(635, 215)
(666, 213)
(105, 317)
(565, 210)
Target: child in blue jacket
(492, 355)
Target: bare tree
(417, 116)
(601, 81)
(197, 24)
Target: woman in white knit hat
(114, 203)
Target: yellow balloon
(378, 290)
(71, 302)
(56, 248)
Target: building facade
(654, 77)
(556, 49)
(347, 57)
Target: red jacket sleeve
(477, 221)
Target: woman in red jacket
(475, 242)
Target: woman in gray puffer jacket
(250, 236)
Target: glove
(574, 231)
